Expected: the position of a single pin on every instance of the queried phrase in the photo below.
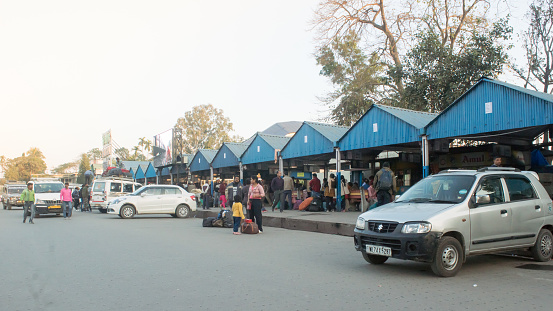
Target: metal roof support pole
(241, 172)
(425, 157)
(171, 174)
(338, 183)
(211, 181)
(280, 164)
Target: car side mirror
(397, 197)
(483, 199)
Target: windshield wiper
(417, 200)
(441, 201)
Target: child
(237, 213)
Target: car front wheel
(127, 211)
(543, 250)
(374, 259)
(449, 257)
(182, 211)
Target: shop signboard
(472, 159)
(162, 150)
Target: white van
(106, 189)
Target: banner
(162, 150)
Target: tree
(435, 76)
(538, 44)
(389, 28)
(94, 154)
(355, 75)
(84, 165)
(21, 168)
(123, 153)
(65, 167)
(205, 127)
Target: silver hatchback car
(448, 216)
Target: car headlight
(39, 201)
(360, 224)
(416, 227)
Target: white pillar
(425, 157)
(338, 177)
(241, 172)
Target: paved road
(101, 262)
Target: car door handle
(537, 207)
(504, 212)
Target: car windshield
(439, 189)
(99, 187)
(17, 190)
(48, 188)
(138, 191)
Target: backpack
(385, 180)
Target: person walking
(277, 185)
(222, 194)
(28, 198)
(85, 196)
(76, 195)
(384, 184)
(237, 213)
(255, 195)
(66, 200)
(315, 187)
(288, 187)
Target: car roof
(488, 171)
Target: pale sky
(71, 70)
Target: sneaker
(31, 222)
(260, 231)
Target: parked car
(154, 199)
(454, 214)
(11, 195)
(106, 189)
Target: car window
(152, 191)
(493, 188)
(115, 187)
(99, 187)
(439, 189)
(127, 188)
(172, 191)
(520, 188)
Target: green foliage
(356, 78)
(94, 154)
(436, 75)
(63, 168)
(205, 127)
(21, 168)
(84, 165)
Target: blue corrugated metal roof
(283, 128)
(139, 173)
(166, 171)
(133, 173)
(134, 164)
(491, 106)
(202, 160)
(262, 148)
(229, 155)
(150, 171)
(313, 138)
(384, 126)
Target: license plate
(379, 250)
(54, 206)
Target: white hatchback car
(154, 199)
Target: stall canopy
(283, 128)
(229, 155)
(150, 171)
(139, 173)
(263, 148)
(382, 126)
(202, 160)
(314, 140)
(495, 111)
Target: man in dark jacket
(85, 196)
(385, 184)
(234, 188)
(277, 185)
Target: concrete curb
(292, 223)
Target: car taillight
(105, 195)
(193, 197)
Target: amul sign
(473, 159)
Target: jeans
(67, 208)
(85, 205)
(279, 198)
(286, 193)
(255, 212)
(26, 206)
(383, 197)
(215, 199)
(236, 223)
(316, 197)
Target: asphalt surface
(100, 262)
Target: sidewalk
(341, 223)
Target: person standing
(85, 196)
(28, 198)
(216, 187)
(288, 187)
(89, 176)
(331, 193)
(255, 195)
(496, 161)
(222, 196)
(237, 213)
(234, 189)
(66, 199)
(384, 184)
(277, 185)
(245, 192)
(315, 186)
(76, 197)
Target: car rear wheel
(127, 211)
(449, 257)
(374, 259)
(543, 249)
(182, 211)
